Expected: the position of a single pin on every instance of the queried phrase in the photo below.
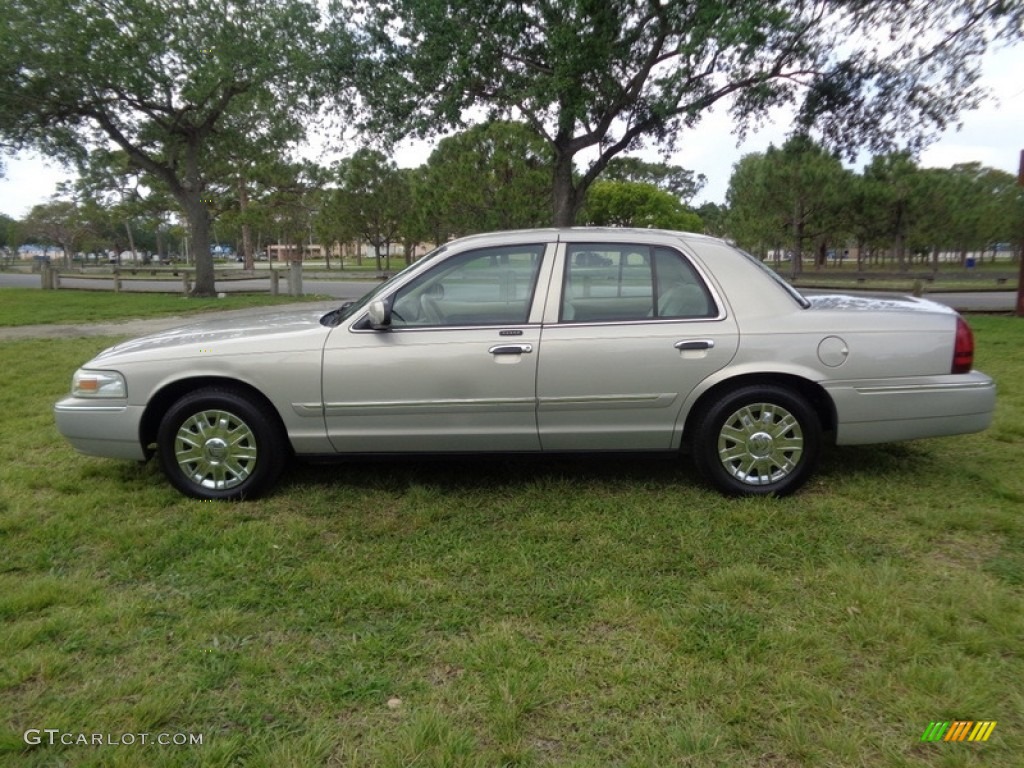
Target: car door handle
(694, 344)
(511, 349)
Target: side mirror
(380, 315)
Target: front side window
(489, 286)
(616, 282)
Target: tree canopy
(371, 197)
(680, 182)
(595, 78)
(177, 85)
(636, 204)
(489, 177)
(790, 195)
(799, 198)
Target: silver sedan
(540, 340)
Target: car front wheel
(758, 440)
(216, 443)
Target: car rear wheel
(758, 440)
(217, 443)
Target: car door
(630, 329)
(456, 369)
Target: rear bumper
(889, 410)
(97, 429)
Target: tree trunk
(131, 242)
(199, 228)
(190, 197)
(798, 245)
(567, 198)
(243, 206)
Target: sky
(992, 135)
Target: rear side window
(618, 282)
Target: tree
(7, 225)
(896, 199)
(331, 226)
(372, 195)
(59, 222)
(714, 217)
(671, 178)
(993, 203)
(119, 198)
(597, 78)
(174, 84)
(790, 194)
(634, 204)
(492, 176)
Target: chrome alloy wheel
(215, 449)
(760, 443)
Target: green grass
(513, 612)
(29, 306)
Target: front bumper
(889, 410)
(101, 428)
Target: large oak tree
(177, 85)
(595, 78)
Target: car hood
(257, 330)
(876, 303)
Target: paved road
(19, 280)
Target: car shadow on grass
(896, 462)
(476, 472)
(503, 473)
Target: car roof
(581, 233)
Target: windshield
(350, 308)
(800, 299)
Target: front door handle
(511, 349)
(694, 344)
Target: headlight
(98, 384)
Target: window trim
(544, 267)
(564, 260)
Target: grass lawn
(512, 612)
(30, 306)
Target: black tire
(757, 440)
(217, 443)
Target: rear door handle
(511, 349)
(694, 344)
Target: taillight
(963, 349)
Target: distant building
(291, 252)
(31, 251)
